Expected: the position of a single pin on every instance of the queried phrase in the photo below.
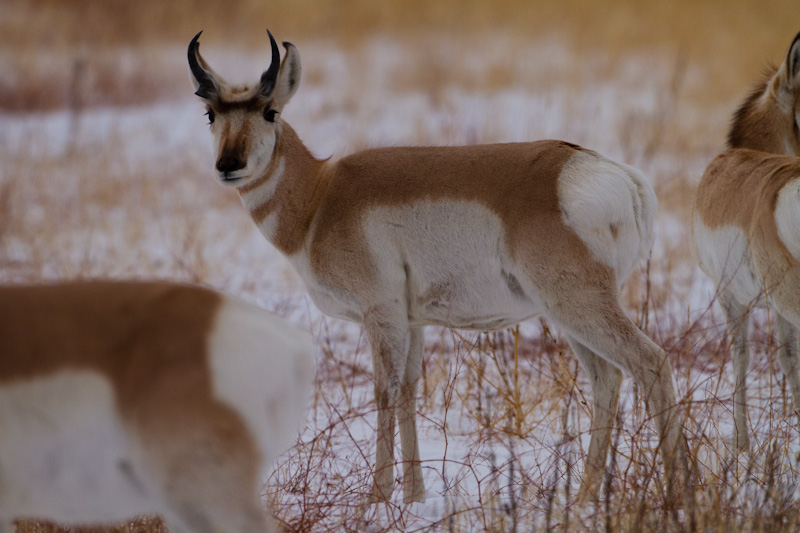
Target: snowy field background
(126, 190)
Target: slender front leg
(387, 331)
(737, 325)
(787, 358)
(605, 380)
(413, 484)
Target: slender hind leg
(605, 380)
(592, 315)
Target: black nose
(229, 164)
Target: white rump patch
(262, 367)
(611, 207)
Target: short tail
(645, 207)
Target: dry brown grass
(87, 210)
(139, 525)
(617, 26)
(729, 38)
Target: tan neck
(284, 200)
(759, 123)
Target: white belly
(724, 255)
(479, 300)
(453, 265)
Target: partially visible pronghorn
(118, 399)
(474, 237)
(747, 224)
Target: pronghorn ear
(288, 77)
(204, 79)
(793, 65)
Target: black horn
(270, 76)
(206, 88)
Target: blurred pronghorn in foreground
(120, 399)
(474, 237)
(747, 224)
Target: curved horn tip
(276, 56)
(196, 37)
(273, 45)
(269, 77)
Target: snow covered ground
(129, 193)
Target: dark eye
(269, 115)
(210, 115)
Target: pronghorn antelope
(747, 224)
(473, 237)
(118, 399)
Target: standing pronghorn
(118, 399)
(474, 237)
(747, 224)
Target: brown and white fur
(747, 224)
(473, 237)
(119, 399)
